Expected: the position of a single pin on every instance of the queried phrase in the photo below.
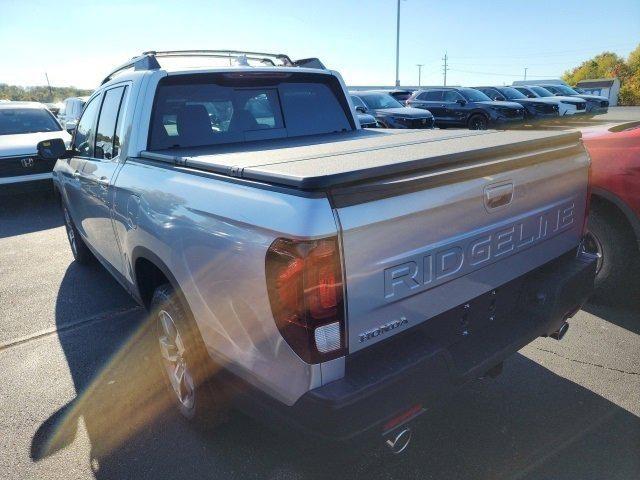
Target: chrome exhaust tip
(558, 334)
(398, 441)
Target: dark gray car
(389, 112)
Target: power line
(497, 74)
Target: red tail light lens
(304, 280)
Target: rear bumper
(428, 363)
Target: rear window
(192, 111)
(26, 120)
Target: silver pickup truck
(338, 280)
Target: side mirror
(51, 149)
(500, 98)
(71, 130)
(361, 109)
(461, 102)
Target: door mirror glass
(461, 102)
(51, 149)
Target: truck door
(98, 173)
(71, 175)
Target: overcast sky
(77, 42)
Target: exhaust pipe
(398, 441)
(558, 334)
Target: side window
(431, 96)
(357, 102)
(85, 132)
(451, 96)
(118, 135)
(491, 93)
(525, 92)
(106, 140)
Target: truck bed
(327, 161)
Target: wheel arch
(149, 272)
(611, 200)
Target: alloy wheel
(593, 245)
(172, 350)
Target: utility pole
(525, 72)
(50, 92)
(445, 68)
(419, 65)
(398, 47)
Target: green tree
(610, 65)
(41, 93)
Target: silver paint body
(212, 234)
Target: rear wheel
(478, 122)
(189, 371)
(79, 249)
(609, 238)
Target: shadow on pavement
(26, 213)
(527, 424)
(626, 316)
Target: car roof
(11, 105)
(360, 92)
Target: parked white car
(22, 126)
(568, 105)
(70, 111)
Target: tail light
(304, 280)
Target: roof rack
(148, 60)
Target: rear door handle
(498, 196)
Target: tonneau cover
(326, 161)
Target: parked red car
(614, 221)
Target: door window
(85, 132)
(107, 141)
(451, 96)
(431, 96)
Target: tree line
(610, 65)
(40, 93)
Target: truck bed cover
(327, 161)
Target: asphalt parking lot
(80, 395)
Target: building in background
(607, 87)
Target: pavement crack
(583, 362)
(66, 327)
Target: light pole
(398, 47)
(419, 65)
(525, 72)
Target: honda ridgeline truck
(338, 280)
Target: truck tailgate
(424, 242)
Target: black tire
(209, 405)
(79, 249)
(478, 121)
(610, 237)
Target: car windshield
(511, 93)
(474, 95)
(565, 90)
(542, 92)
(26, 120)
(380, 100)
